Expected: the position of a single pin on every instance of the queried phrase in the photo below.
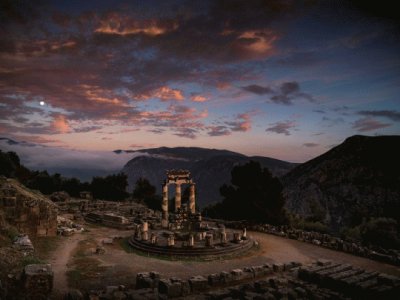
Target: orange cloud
(120, 25)
(258, 42)
(198, 98)
(164, 93)
(60, 124)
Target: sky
(284, 79)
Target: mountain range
(357, 179)
(210, 168)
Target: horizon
(282, 79)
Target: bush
(381, 232)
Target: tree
(145, 192)
(111, 187)
(253, 195)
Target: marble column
(164, 206)
(178, 197)
(192, 201)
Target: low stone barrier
(320, 280)
(390, 256)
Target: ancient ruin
(183, 232)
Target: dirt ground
(117, 266)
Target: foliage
(111, 187)
(381, 232)
(253, 195)
(146, 193)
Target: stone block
(323, 262)
(214, 279)
(170, 287)
(225, 277)
(38, 281)
(278, 267)
(147, 280)
(198, 284)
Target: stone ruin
(320, 280)
(29, 211)
(183, 232)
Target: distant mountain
(358, 178)
(210, 168)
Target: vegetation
(111, 187)
(145, 193)
(253, 195)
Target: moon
(42, 103)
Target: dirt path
(121, 267)
(59, 261)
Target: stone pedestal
(236, 237)
(153, 239)
(209, 240)
(171, 240)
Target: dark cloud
(218, 130)
(369, 124)
(320, 111)
(283, 127)
(284, 94)
(389, 114)
(257, 89)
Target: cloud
(119, 24)
(257, 89)
(368, 124)
(60, 124)
(283, 127)
(283, 94)
(40, 157)
(218, 130)
(389, 114)
(310, 145)
(242, 123)
(198, 98)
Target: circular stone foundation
(200, 247)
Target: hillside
(210, 168)
(358, 179)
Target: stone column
(223, 237)
(191, 240)
(145, 235)
(145, 226)
(244, 234)
(192, 201)
(178, 196)
(164, 206)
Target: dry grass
(85, 265)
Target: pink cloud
(368, 124)
(60, 124)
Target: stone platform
(199, 250)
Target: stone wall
(29, 211)
(390, 256)
(320, 280)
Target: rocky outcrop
(357, 179)
(210, 168)
(28, 211)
